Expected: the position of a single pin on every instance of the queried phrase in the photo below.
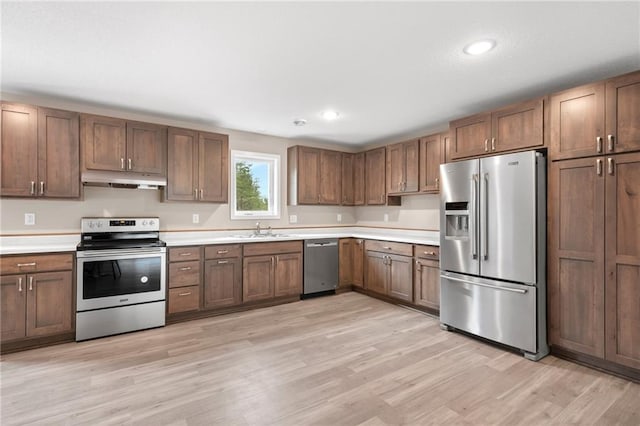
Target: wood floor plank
(339, 360)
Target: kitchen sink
(261, 236)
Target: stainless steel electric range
(120, 276)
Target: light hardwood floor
(339, 360)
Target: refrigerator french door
(492, 249)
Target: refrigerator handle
(485, 233)
(472, 216)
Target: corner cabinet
(271, 270)
(197, 166)
(40, 152)
(515, 127)
(314, 176)
(36, 296)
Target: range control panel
(119, 224)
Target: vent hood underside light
(122, 180)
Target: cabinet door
(308, 175)
(395, 168)
(104, 142)
(257, 278)
(182, 170)
(622, 287)
(426, 284)
(19, 145)
(576, 122)
(400, 277)
(58, 153)
(288, 275)
(518, 126)
(358, 262)
(214, 167)
(375, 271)
(431, 156)
(347, 179)
(146, 148)
(49, 303)
(222, 282)
(330, 174)
(470, 136)
(412, 166)
(375, 176)
(358, 179)
(576, 255)
(345, 265)
(623, 113)
(12, 298)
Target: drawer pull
(386, 247)
(186, 268)
(185, 254)
(184, 294)
(222, 262)
(20, 265)
(430, 253)
(223, 251)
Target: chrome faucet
(257, 230)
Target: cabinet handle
(318, 197)
(185, 254)
(386, 247)
(184, 294)
(272, 261)
(358, 242)
(31, 283)
(610, 165)
(611, 140)
(382, 198)
(186, 268)
(20, 265)
(41, 187)
(486, 145)
(493, 144)
(437, 182)
(201, 194)
(33, 188)
(222, 262)
(129, 163)
(20, 284)
(195, 194)
(122, 163)
(223, 251)
(430, 253)
(418, 265)
(599, 144)
(599, 167)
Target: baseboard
(597, 364)
(37, 342)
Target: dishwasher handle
(327, 244)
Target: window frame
(274, 185)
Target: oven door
(111, 278)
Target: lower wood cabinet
(34, 303)
(271, 270)
(185, 278)
(388, 269)
(222, 282)
(426, 279)
(351, 263)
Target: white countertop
(68, 242)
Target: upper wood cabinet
(358, 179)
(347, 179)
(375, 165)
(119, 145)
(314, 176)
(40, 152)
(515, 127)
(431, 156)
(622, 113)
(198, 166)
(402, 167)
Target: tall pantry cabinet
(594, 220)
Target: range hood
(122, 179)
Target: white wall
(417, 212)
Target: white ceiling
(391, 69)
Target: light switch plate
(29, 218)
(293, 218)
(386, 217)
(339, 217)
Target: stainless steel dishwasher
(320, 266)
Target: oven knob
(92, 225)
(152, 222)
(144, 223)
(99, 224)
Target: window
(255, 188)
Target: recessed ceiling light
(479, 47)
(330, 115)
(299, 121)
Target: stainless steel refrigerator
(492, 250)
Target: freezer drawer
(495, 310)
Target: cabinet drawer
(184, 299)
(31, 263)
(184, 273)
(184, 253)
(388, 247)
(222, 251)
(427, 252)
(258, 249)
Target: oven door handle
(119, 254)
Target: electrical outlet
(386, 217)
(339, 217)
(196, 218)
(293, 218)
(29, 218)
